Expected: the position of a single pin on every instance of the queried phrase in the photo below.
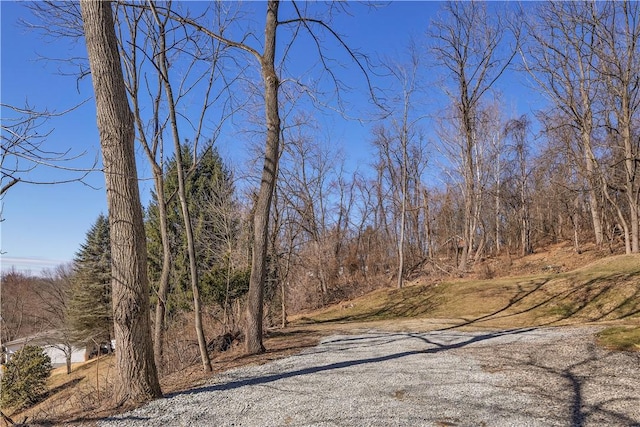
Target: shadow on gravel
(582, 383)
(588, 374)
(591, 385)
(437, 347)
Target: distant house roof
(40, 338)
(50, 342)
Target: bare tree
(404, 125)
(518, 129)
(24, 148)
(306, 174)
(497, 166)
(20, 308)
(53, 292)
(266, 59)
(136, 370)
(159, 59)
(163, 64)
(561, 58)
(565, 192)
(271, 83)
(470, 44)
(618, 52)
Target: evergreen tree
(89, 311)
(215, 217)
(24, 380)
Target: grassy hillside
(607, 290)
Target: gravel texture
(523, 377)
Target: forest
(456, 176)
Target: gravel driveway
(524, 377)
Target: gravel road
(523, 377)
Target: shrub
(25, 377)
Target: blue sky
(44, 225)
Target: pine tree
(25, 378)
(209, 187)
(89, 311)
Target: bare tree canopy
(471, 44)
(25, 148)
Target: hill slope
(606, 290)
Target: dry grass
(620, 338)
(606, 290)
(556, 287)
(75, 396)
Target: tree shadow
(581, 300)
(552, 299)
(578, 379)
(515, 300)
(63, 386)
(573, 377)
(422, 301)
(437, 347)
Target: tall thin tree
(560, 56)
(271, 85)
(471, 44)
(136, 371)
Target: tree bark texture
(137, 378)
(254, 312)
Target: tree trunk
(137, 378)
(67, 358)
(591, 167)
(427, 224)
(469, 178)
(621, 218)
(163, 286)
(150, 149)
(193, 268)
(576, 226)
(283, 301)
(253, 325)
(182, 196)
(631, 188)
(403, 208)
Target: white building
(49, 343)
